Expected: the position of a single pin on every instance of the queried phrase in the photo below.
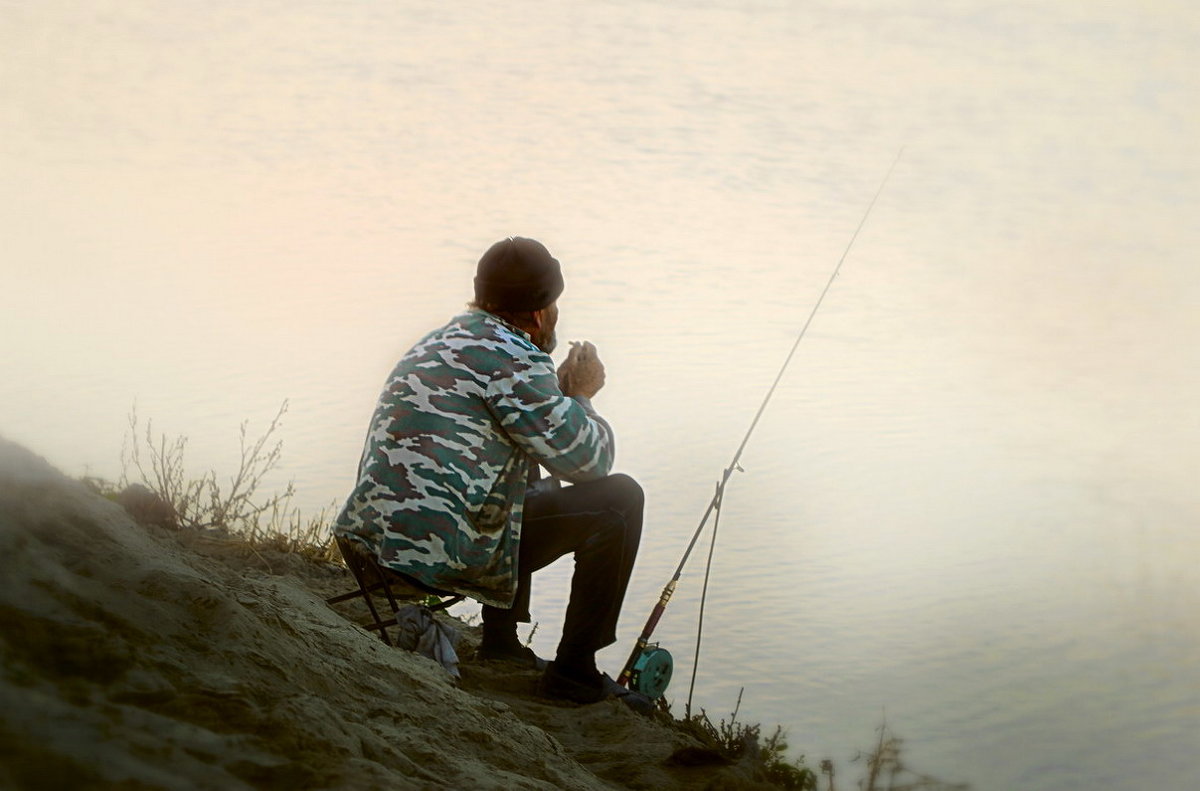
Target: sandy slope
(139, 658)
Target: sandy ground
(137, 657)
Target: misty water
(971, 506)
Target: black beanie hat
(518, 274)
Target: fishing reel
(651, 671)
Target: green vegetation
(738, 742)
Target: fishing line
(649, 668)
(712, 547)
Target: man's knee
(626, 500)
(627, 492)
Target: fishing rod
(648, 669)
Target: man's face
(545, 338)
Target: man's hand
(581, 373)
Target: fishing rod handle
(627, 671)
(647, 630)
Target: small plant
(884, 762)
(101, 486)
(828, 770)
(205, 502)
(737, 741)
(234, 505)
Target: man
(449, 490)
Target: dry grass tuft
(232, 506)
(744, 744)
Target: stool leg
(391, 597)
(359, 571)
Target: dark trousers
(601, 523)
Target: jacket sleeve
(563, 434)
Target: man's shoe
(516, 654)
(559, 686)
(634, 700)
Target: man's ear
(539, 318)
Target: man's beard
(547, 344)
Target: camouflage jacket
(442, 480)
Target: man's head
(518, 280)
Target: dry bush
(885, 764)
(232, 505)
